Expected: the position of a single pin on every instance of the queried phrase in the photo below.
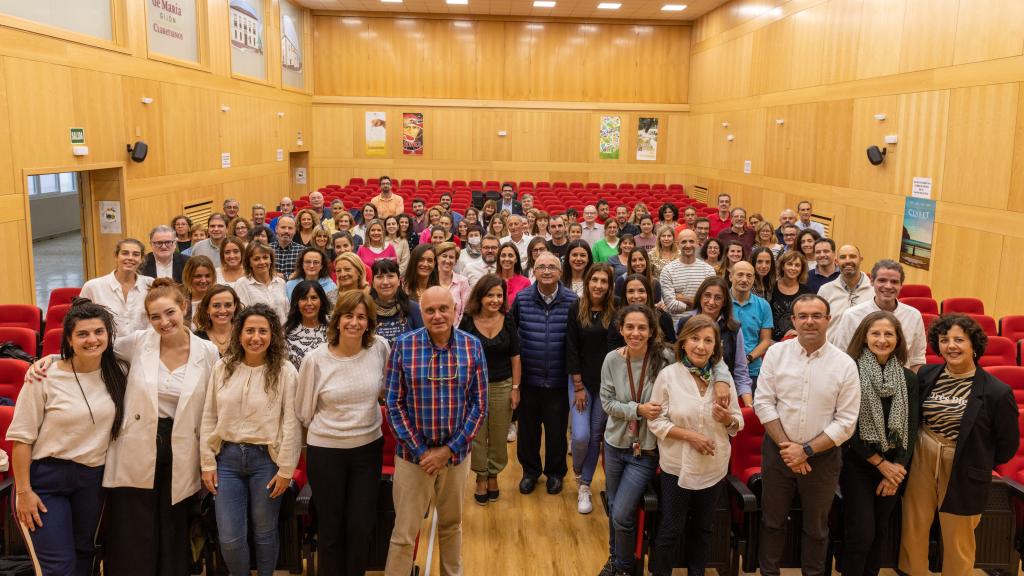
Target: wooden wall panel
(6, 157)
(790, 148)
(881, 29)
(513, 60)
(922, 131)
(866, 132)
(982, 120)
(1016, 200)
(40, 112)
(929, 32)
(989, 29)
(832, 143)
(842, 39)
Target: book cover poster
(918, 225)
(647, 139)
(376, 134)
(611, 132)
(412, 134)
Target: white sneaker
(583, 505)
(511, 432)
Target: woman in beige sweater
(250, 439)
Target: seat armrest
(650, 498)
(746, 498)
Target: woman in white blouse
(250, 438)
(693, 433)
(153, 466)
(123, 290)
(260, 284)
(62, 427)
(336, 399)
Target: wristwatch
(749, 358)
(808, 450)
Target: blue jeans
(587, 432)
(626, 478)
(243, 472)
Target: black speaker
(876, 156)
(139, 151)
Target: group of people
(180, 372)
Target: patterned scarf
(877, 382)
(704, 373)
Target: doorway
(58, 243)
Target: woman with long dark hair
(510, 269)
(396, 313)
(636, 289)
(422, 271)
(763, 260)
(216, 314)
(250, 438)
(336, 400)
(62, 428)
(487, 318)
(587, 338)
(198, 276)
(232, 250)
(306, 327)
(578, 259)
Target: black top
(897, 455)
(585, 347)
(182, 246)
(782, 310)
(557, 250)
(498, 350)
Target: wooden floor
(535, 535)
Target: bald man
(755, 317)
(851, 287)
(436, 397)
(786, 217)
(681, 278)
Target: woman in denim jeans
(630, 457)
(251, 438)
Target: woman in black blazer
(968, 427)
(876, 458)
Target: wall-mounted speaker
(875, 155)
(138, 151)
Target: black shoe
(481, 499)
(527, 484)
(492, 495)
(554, 485)
(609, 568)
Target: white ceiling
(630, 9)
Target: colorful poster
(647, 139)
(376, 134)
(172, 29)
(291, 46)
(611, 131)
(247, 57)
(918, 225)
(412, 134)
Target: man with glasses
(163, 261)
(436, 397)
(541, 312)
(592, 230)
(887, 279)
(231, 208)
(508, 201)
(808, 399)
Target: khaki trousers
(490, 447)
(413, 491)
(926, 489)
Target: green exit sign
(78, 135)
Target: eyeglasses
(163, 243)
(805, 317)
(546, 268)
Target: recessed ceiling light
(667, 7)
(391, 1)
(609, 6)
(543, 4)
(462, 24)
(459, 2)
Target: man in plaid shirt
(436, 396)
(286, 252)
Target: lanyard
(633, 390)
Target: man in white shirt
(164, 261)
(804, 209)
(887, 279)
(217, 227)
(517, 234)
(592, 231)
(852, 286)
(681, 278)
(487, 262)
(808, 399)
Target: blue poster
(918, 225)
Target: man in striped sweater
(681, 278)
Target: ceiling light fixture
(609, 6)
(543, 4)
(391, 1)
(673, 7)
(457, 2)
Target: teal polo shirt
(754, 315)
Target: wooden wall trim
(509, 166)
(147, 187)
(499, 18)
(502, 104)
(1000, 71)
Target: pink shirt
(369, 256)
(514, 285)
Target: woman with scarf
(876, 458)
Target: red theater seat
(1000, 351)
(923, 305)
(963, 306)
(63, 296)
(22, 337)
(987, 323)
(916, 291)
(1012, 327)
(20, 316)
(1013, 376)
(12, 377)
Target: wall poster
(291, 46)
(89, 17)
(918, 226)
(412, 134)
(376, 134)
(247, 54)
(611, 132)
(647, 139)
(172, 30)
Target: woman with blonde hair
(305, 222)
(351, 275)
(665, 251)
(393, 234)
(376, 244)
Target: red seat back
(6, 417)
(389, 443)
(963, 306)
(987, 323)
(21, 316)
(1013, 376)
(916, 291)
(923, 305)
(1000, 351)
(1012, 327)
(55, 316)
(23, 337)
(12, 377)
(51, 341)
(746, 447)
(63, 296)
